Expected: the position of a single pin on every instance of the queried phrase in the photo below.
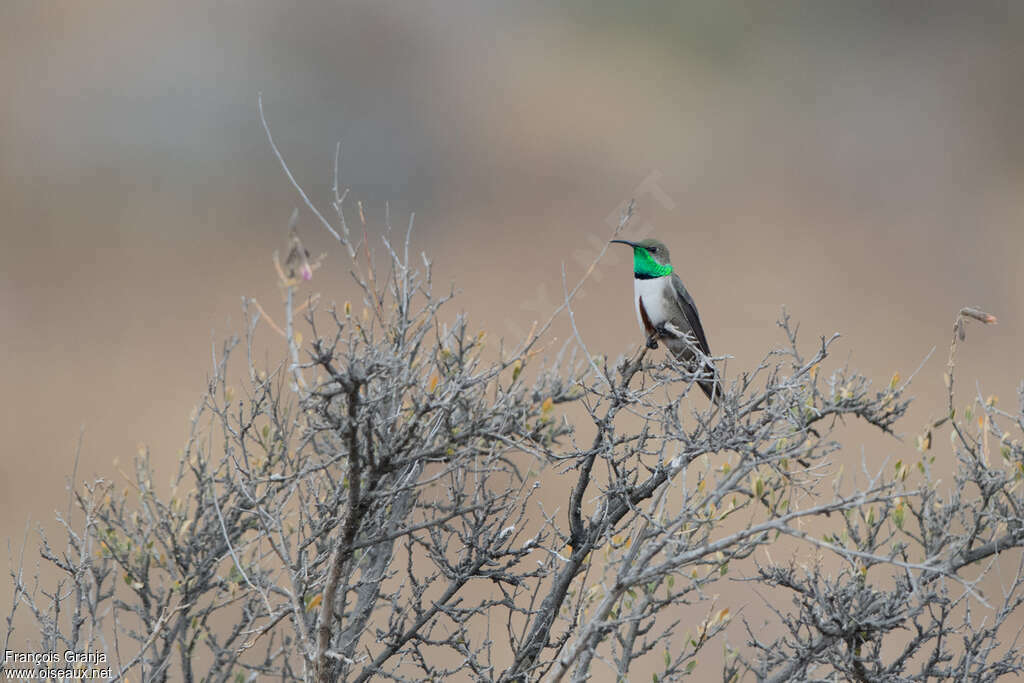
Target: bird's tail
(710, 383)
(712, 388)
(692, 357)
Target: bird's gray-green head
(650, 258)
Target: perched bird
(666, 312)
(298, 262)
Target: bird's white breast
(652, 293)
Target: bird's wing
(689, 310)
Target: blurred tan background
(860, 163)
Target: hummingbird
(666, 312)
(298, 261)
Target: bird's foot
(652, 343)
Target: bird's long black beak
(627, 242)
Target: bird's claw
(652, 343)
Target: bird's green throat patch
(644, 264)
